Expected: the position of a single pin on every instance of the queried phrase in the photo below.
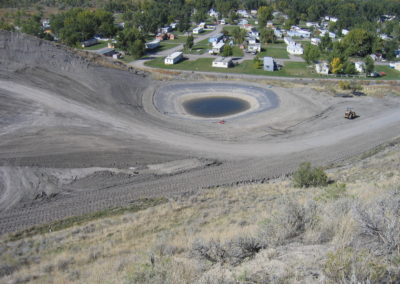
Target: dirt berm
(80, 133)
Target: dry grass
(251, 234)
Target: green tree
(137, 48)
(189, 42)
(257, 62)
(311, 53)
(307, 176)
(326, 43)
(238, 34)
(264, 14)
(369, 65)
(359, 42)
(127, 37)
(349, 68)
(227, 51)
(267, 35)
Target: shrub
(232, 252)
(307, 176)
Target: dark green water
(215, 106)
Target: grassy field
(291, 69)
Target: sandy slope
(76, 137)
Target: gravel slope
(78, 137)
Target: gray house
(269, 64)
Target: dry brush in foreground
(347, 231)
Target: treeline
(76, 25)
(351, 13)
(49, 3)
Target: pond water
(215, 106)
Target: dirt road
(77, 137)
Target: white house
(345, 32)
(165, 30)
(217, 48)
(322, 68)
(243, 22)
(384, 37)
(152, 44)
(331, 19)
(89, 42)
(311, 24)
(198, 30)
(213, 13)
(278, 33)
(395, 65)
(243, 13)
(252, 40)
(222, 62)
(288, 40)
(323, 32)
(46, 24)
(360, 66)
(254, 33)
(254, 47)
(173, 58)
(202, 25)
(295, 49)
(315, 41)
(269, 64)
(304, 33)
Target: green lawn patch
(275, 51)
(128, 58)
(391, 74)
(201, 47)
(97, 46)
(237, 52)
(164, 45)
(229, 29)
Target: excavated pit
(79, 133)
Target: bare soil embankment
(78, 136)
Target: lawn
(275, 50)
(164, 45)
(97, 46)
(391, 74)
(229, 29)
(291, 69)
(201, 47)
(237, 52)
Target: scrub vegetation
(273, 232)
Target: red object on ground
(382, 73)
(221, 122)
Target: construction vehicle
(350, 114)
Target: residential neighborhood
(251, 34)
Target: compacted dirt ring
(76, 137)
